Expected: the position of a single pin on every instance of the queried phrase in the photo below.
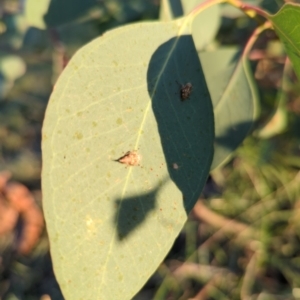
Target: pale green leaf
(111, 225)
(233, 92)
(12, 67)
(35, 11)
(287, 25)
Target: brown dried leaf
(23, 202)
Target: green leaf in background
(110, 224)
(49, 13)
(233, 92)
(12, 67)
(286, 24)
(278, 120)
(108, 13)
(276, 125)
(205, 24)
(35, 11)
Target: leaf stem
(254, 36)
(250, 10)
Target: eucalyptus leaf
(234, 96)
(286, 25)
(35, 11)
(12, 67)
(124, 157)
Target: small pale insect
(185, 91)
(130, 158)
(175, 166)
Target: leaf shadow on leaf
(185, 131)
(131, 212)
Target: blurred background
(242, 240)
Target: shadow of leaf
(186, 128)
(132, 211)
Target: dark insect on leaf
(185, 91)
